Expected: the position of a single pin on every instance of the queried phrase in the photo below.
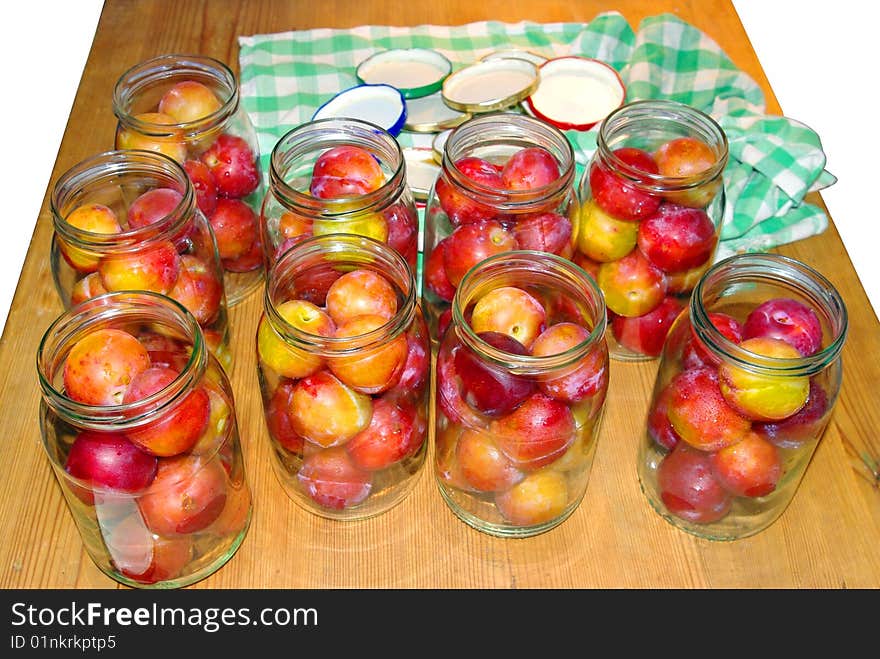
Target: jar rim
(343, 245)
(666, 110)
(522, 127)
(340, 131)
(111, 165)
(108, 307)
(169, 66)
(529, 364)
(762, 265)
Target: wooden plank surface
(827, 538)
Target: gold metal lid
(491, 85)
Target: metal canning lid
(515, 53)
(439, 143)
(421, 171)
(416, 72)
(429, 114)
(382, 105)
(576, 93)
(488, 86)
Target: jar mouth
(109, 310)
(162, 69)
(636, 116)
(112, 169)
(745, 270)
(487, 131)
(298, 144)
(343, 252)
(497, 270)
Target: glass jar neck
(745, 270)
(659, 120)
(116, 310)
(527, 267)
(118, 169)
(296, 147)
(332, 255)
(509, 132)
(142, 78)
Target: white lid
(421, 171)
(439, 143)
(382, 105)
(490, 85)
(576, 92)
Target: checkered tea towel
(774, 161)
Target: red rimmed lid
(576, 93)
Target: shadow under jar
(344, 362)
(506, 182)
(188, 107)
(747, 383)
(128, 220)
(138, 422)
(339, 176)
(521, 381)
(652, 204)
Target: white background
(820, 58)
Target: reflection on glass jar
(652, 203)
(344, 360)
(188, 108)
(138, 421)
(506, 183)
(746, 385)
(521, 380)
(339, 176)
(128, 220)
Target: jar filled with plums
(138, 422)
(521, 381)
(128, 220)
(343, 357)
(747, 383)
(506, 182)
(339, 176)
(188, 107)
(652, 204)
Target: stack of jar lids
(414, 89)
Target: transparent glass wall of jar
(339, 176)
(344, 365)
(188, 107)
(746, 386)
(507, 182)
(128, 220)
(138, 422)
(652, 204)
(521, 381)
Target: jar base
(505, 530)
(189, 579)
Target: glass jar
(652, 203)
(138, 421)
(506, 182)
(343, 361)
(521, 380)
(128, 220)
(746, 385)
(188, 107)
(339, 176)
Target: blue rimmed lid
(416, 72)
(382, 105)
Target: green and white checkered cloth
(774, 161)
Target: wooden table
(829, 537)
